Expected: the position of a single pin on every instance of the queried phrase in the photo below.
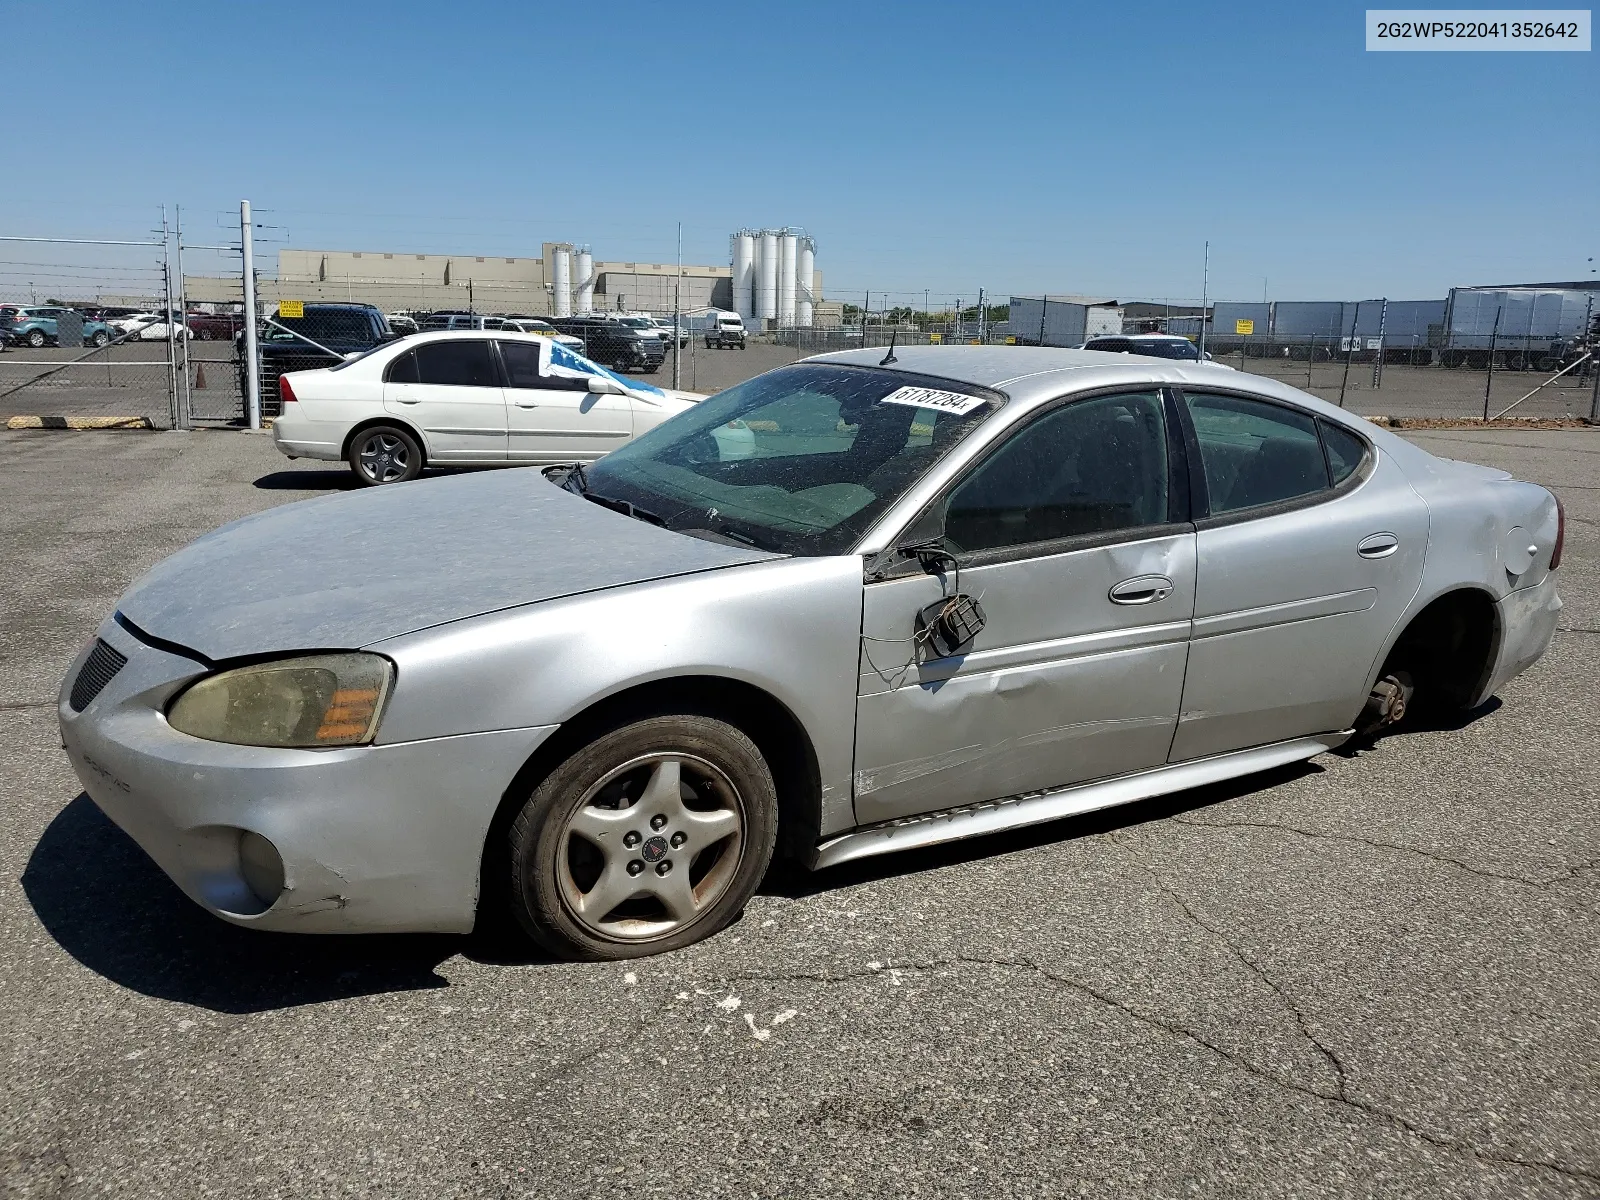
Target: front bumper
(372, 838)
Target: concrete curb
(32, 422)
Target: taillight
(286, 392)
(1561, 533)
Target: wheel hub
(651, 846)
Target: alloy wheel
(651, 847)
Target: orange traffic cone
(200, 376)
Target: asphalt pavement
(1373, 974)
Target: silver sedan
(932, 594)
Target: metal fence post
(185, 401)
(172, 353)
(1349, 351)
(1377, 363)
(252, 358)
(1488, 379)
(1594, 398)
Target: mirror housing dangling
(949, 626)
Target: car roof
(1033, 375)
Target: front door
(553, 420)
(1073, 538)
(1310, 553)
(451, 391)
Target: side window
(402, 369)
(456, 364)
(522, 364)
(1345, 451)
(1255, 453)
(1089, 467)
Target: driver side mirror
(602, 386)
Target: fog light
(261, 867)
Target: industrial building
(780, 288)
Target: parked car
(544, 329)
(1151, 345)
(36, 325)
(465, 398)
(402, 323)
(727, 330)
(214, 327)
(979, 589)
(671, 334)
(156, 330)
(614, 343)
(322, 335)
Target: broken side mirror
(949, 626)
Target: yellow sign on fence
(291, 308)
(1011, 339)
(1244, 327)
(935, 338)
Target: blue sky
(1013, 146)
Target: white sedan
(147, 327)
(468, 398)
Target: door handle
(1378, 545)
(1142, 589)
(403, 400)
(520, 404)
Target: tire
(384, 454)
(205, 335)
(708, 343)
(576, 842)
(35, 338)
(100, 339)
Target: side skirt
(1034, 808)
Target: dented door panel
(1063, 684)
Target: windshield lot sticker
(920, 397)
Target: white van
(726, 330)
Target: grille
(99, 669)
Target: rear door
(1310, 548)
(1073, 537)
(552, 420)
(451, 391)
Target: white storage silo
(767, 277)
(787, 249)
(805, 274)
(561, 281)
(585, 266)
(744, 274)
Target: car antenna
(889, 357)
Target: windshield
(800, 460)
(639, 322)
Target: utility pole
(252, 357)
(1205, 283)
(185, 401)
(172, 333)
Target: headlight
(323, 700)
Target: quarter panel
(788, 626)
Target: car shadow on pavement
(1418, 722)
(340, 479)
(109, 906)
(794, 882)
(308, 481)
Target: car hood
(346, 571)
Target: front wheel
(101, 339)
(385, 454)
(205, 335)
(650, 838)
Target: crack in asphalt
(1571, 874)
(1575, 629)
(1341, 1077)
(1173, 1029)
(21, 704)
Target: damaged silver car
(920, 596)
